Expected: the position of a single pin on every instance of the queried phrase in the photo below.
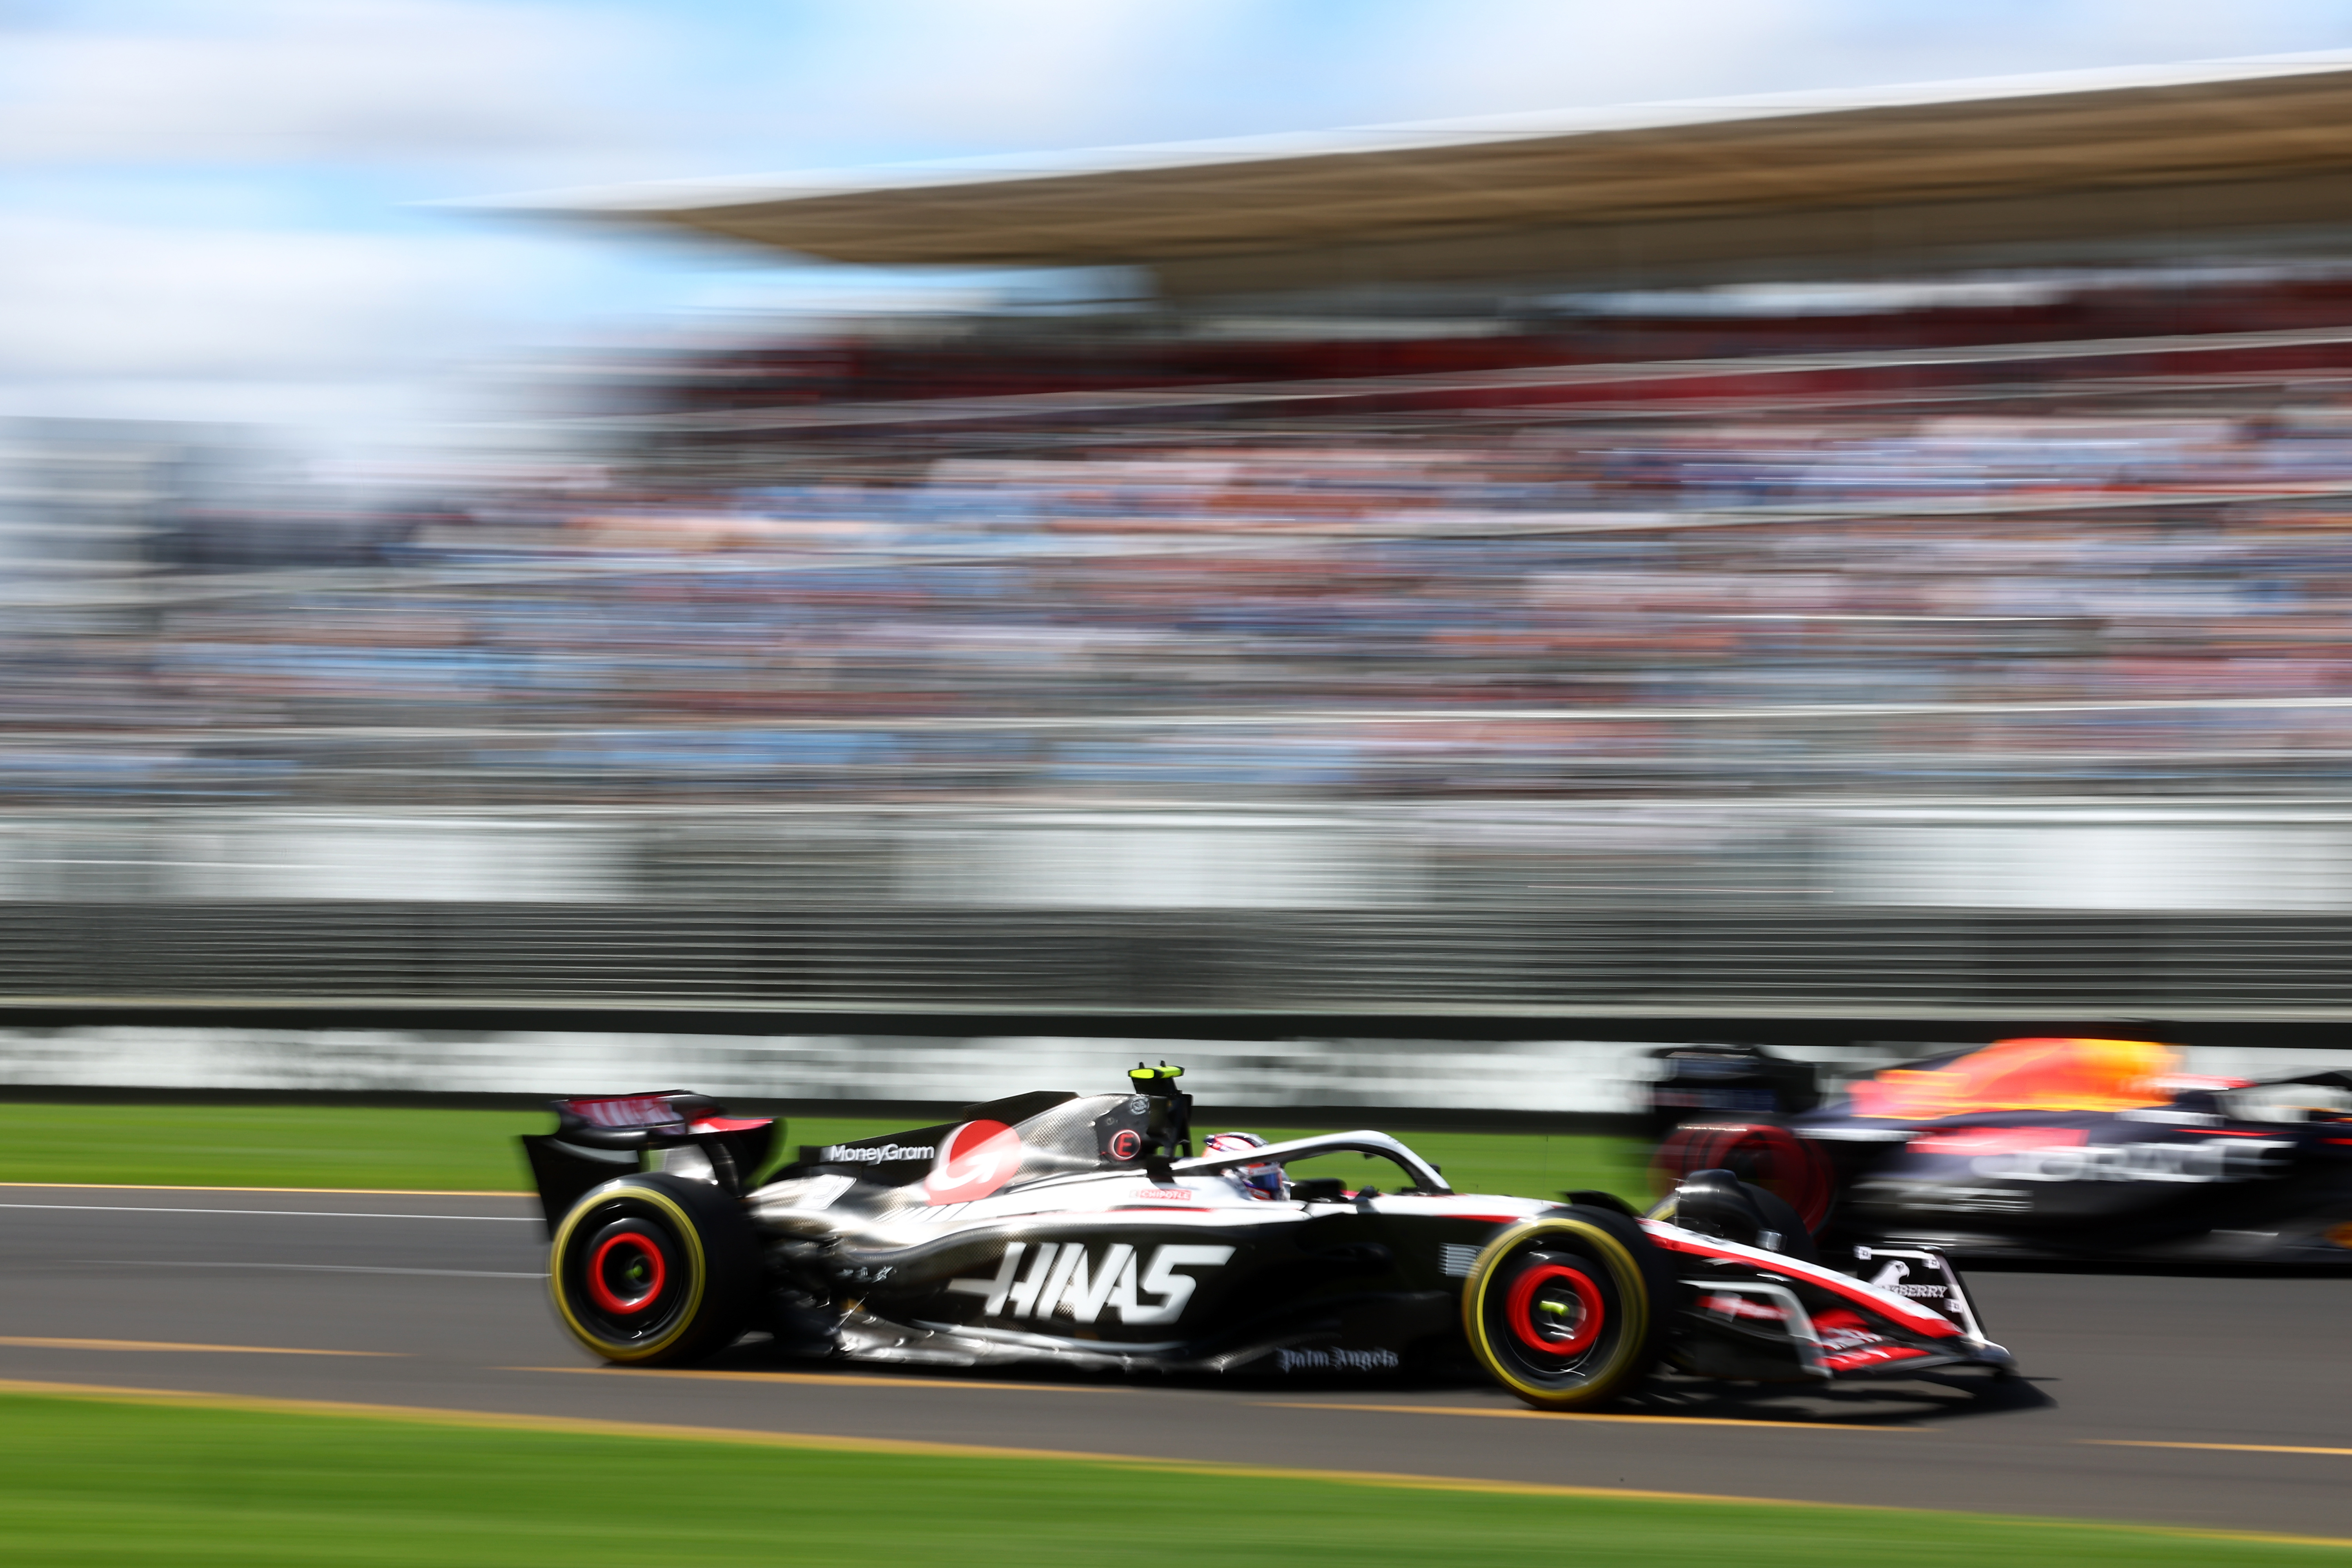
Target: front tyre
(1568, 1310)
(653, 1269)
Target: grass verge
(95, 1482)
(267, 1146)
(461, 1151)
(1517, 1164)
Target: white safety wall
(1525, 1075)
(1827, 856)
(1530, 1075)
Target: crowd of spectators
(2054, 599)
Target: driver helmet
(1257, 1181)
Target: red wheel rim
(600, 1288)
(1542, 1335)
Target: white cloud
(673, 90)
(1497, 55)
(1483, 56)
(85, 299)
(107, 320)
(862, 78)
(324, 81)
(923, 78)
(271, 277)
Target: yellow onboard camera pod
(1168, 1133)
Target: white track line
(293, 1214)
(308, 1267)
(336, 1192)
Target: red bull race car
(2081, 1150)
(1084, 1231)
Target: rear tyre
(1762, 1153)
(1567, 1309)
(652, 1270)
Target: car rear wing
(598, 1137)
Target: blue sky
(216, 210)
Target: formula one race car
(2057, 1148)
(1084, 1231)
(1727, 1080)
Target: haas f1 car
(1083, 1231)
(2051, 1149)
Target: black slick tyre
(1567, 1309)
(653, 1269)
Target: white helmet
(1258, 1181)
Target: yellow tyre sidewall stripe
(1633, 1305)
(688, 1237)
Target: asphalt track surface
(436, 1300)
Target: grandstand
(1396, 611)
(2123, 232)
(2241, 158)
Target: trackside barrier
(1590, 910)
(1557, 1085)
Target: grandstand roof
(2239, 156)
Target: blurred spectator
(2097, 591)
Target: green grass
(267, 1146)
(93, 1483)
(1525, 1166)
(459, 1150)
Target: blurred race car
(2057, 1148)
(1083, 1231)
